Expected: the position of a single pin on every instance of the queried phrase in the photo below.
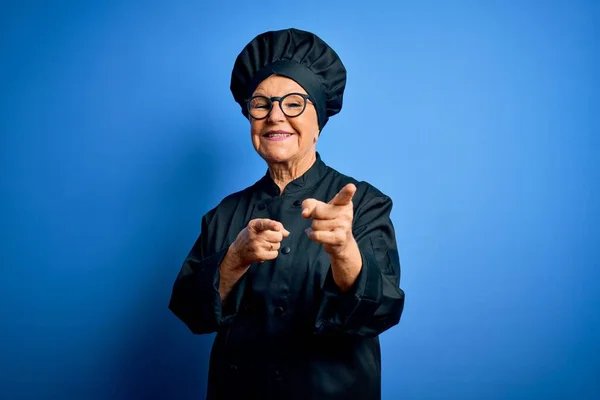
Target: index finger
(265, 224)
(344, 196)
(318, 210)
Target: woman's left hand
(332, 222)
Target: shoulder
(365, 191)
(231, 203)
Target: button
(233, 367)
(278, 311)
(262, 206)
(285, 250)
(298, 203)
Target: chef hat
(295, 54)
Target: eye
(294, 102)
(259, 104)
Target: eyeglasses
(292, 105)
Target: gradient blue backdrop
(118, 132)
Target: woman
(298, 274)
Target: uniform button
(262, 206)
(285, 250)
(279, 311)
(298, 203)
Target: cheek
(310, 125)
(255, 128)
(307, 131)
(307, 125)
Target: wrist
(234, 261)
(346, 252)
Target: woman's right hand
(259, 241)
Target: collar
(304, 181)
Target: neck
(283, 173)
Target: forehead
(277, 85)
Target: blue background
(118, 132)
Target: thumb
(281, 228)
(344, 196)
(308, 207)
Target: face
(299, 133)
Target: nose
(276, 115)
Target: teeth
(278, 135)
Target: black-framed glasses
(292, 105)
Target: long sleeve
(195, 298)
(375, 302)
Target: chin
(277, 155)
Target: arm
(374, 302)
(231, 270)
(346, 266)
(196, 298)
(208, 290)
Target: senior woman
(299, 273)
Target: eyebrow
(288, 92)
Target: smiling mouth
(277, 134)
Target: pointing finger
(264, 224)
(281, 228)
(320, 210)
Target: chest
(302, 264)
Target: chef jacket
(286, 331)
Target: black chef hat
(298, 55)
